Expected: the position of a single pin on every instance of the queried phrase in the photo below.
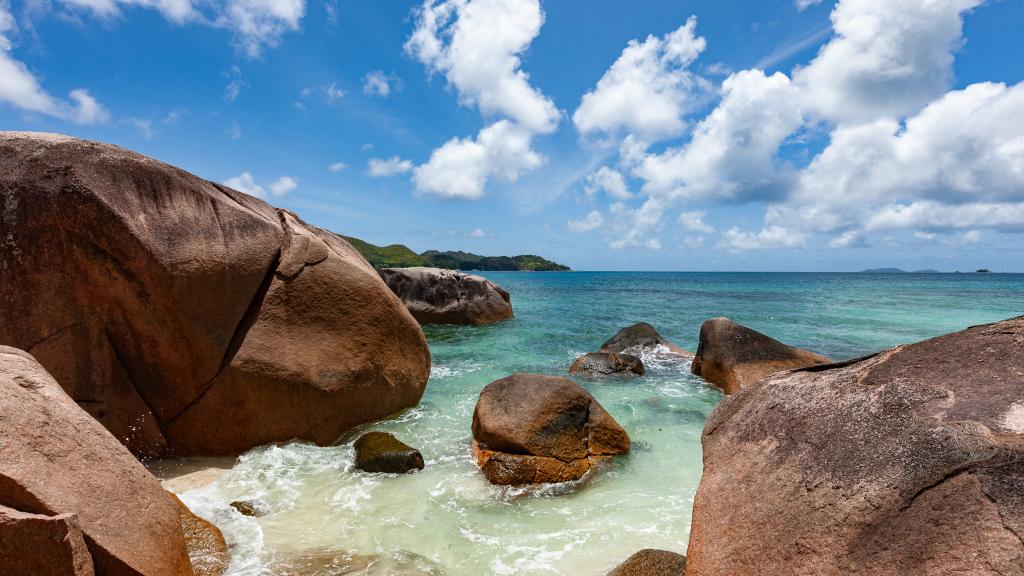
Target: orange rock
(206, 546)
(40, 545)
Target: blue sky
(728, 136)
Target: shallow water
(325, 518)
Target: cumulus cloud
(592, 221)
(476, 233)
(383, 167)
(337, 167)
(901, 151)
(20, 88)
(802, 5)
(245, 182)
(477, 46)
(694, 222)
(610, 182)
(377, 83)
(462, 166)
(648, 89)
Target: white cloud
(382, 167)
(694, 221)
(476, 233)
(377, 83)
(244, 182)
(636, 227)
(333, 93)
(462, 166)
(802, 5)
(736, 240)
(143, 126)
(609, 181)
(648, 89)
(20, 88)
(235, 83)
(337, 167)
(693, 242)
(254, 24)
(888, 58)
(233, 131)
(477, 45)
(592, 221)
(283, 185)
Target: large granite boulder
(606, 364)
(184, 315)
(732, 356)
(56, 460)
(382, 452)
(42, 545)
(650, 562)
(533, 429)
(638, 338)
(207, 549)
(910, 461)
(439, 296)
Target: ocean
(448, 520)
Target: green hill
(400, 256)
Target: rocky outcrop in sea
(440, 296)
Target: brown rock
(439, 296)
(55, 459)
(250, 508)
(382, 452)
(639, 337)
(910, 461)
(185, 315)
(606, 363)
(732, 356)
(206, 546)
(651, 562)
(529, 428)
(40, 545)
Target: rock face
(184, 315)
(382, 452)
(532, 429)
(41, 545)
(651, 562)
(639, 337)
(910, 461)
(607, 363)
(439, 296)
(732, 356)
(207, 549)
(56, 460)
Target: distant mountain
(400, 256)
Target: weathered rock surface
(41, 545)
(532, 429)
(732, 356)
(910, 461)
(206, 546)
(650, 562)
(639, 337)
(382, 452)
(439, 296)
(252, 508)
(185, 315)
(55, 459)
(606, 363)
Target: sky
(644, 135)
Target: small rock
(439, 296)
(650, 562)
(382, 452)
(604, 363)
(640, 336)
(253, 508)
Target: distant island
(401, 256)
(898, 271)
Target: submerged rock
(532, 429)
(650, 562)
(910, 461)
(206, 546)
(732, 356)
(189, 317)
(640, 337)
(252, 508)
(440, 296)
(56, 460)
(382, 452)
(606, 363)
(42, 545)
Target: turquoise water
(448, 520)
